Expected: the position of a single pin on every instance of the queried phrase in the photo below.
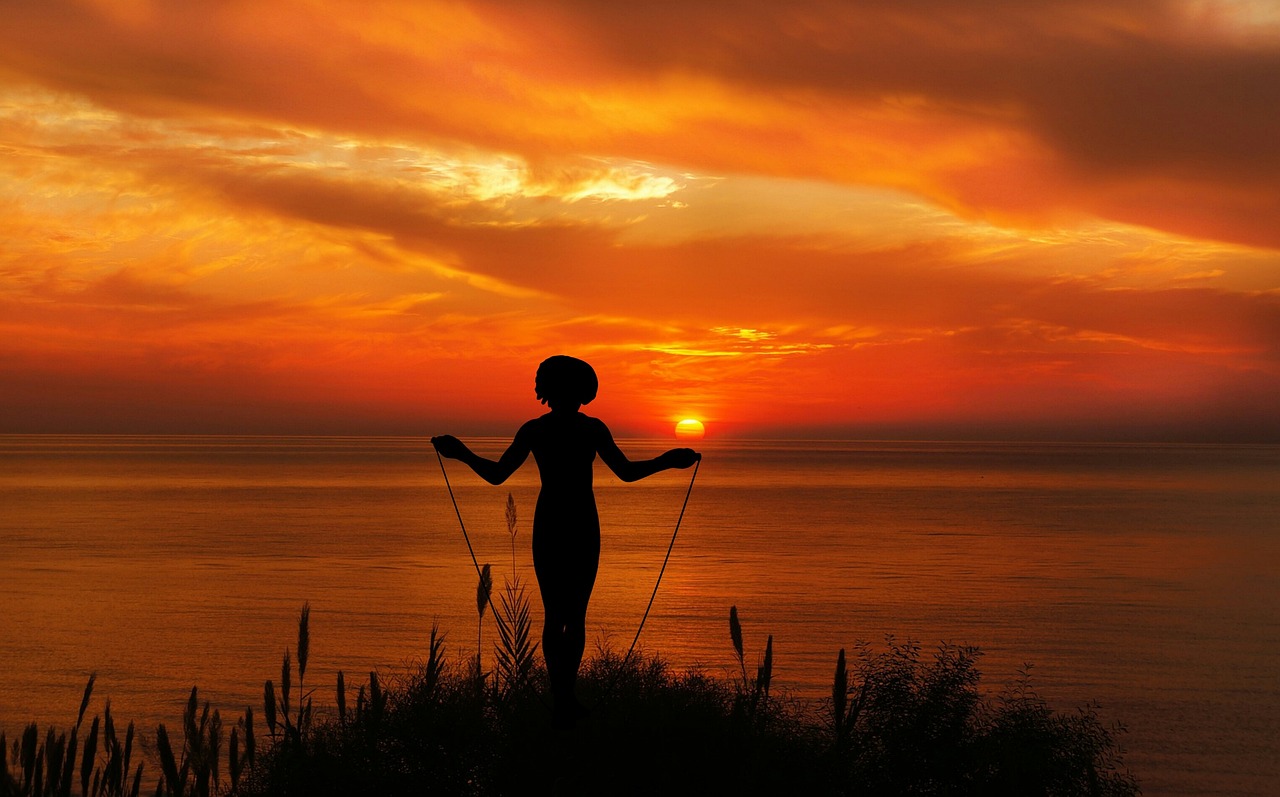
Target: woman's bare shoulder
(597, 428)
(532, 428)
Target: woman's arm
(492, 472)
(630, 471)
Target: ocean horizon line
(709, 440)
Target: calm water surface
(1142, 577)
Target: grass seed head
(735, 631)
(84, 702)
(342, 697)
(483, 589)
(90, 753)
(304, 640)
(269, 704)
(286, 669)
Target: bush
(897, 723)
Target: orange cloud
(858, 217)
(1006, 110)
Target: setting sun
(690, 429)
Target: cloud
(835, 213)
(416, 239)
(1159, 112)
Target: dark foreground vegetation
(897, 722)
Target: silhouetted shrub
(897, 723)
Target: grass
(897, 722)
(47, 768)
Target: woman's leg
(552, 619)
(574, 639)
(565, 581)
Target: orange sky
(875, 218)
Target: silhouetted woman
(566, 526)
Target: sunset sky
(941, 218)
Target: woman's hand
(449, 446)
(680, 458)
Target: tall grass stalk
(90, 751)
(752, 694)
(515, 653)
(304, 641)
(764, 674)
(435, 666)
(735, 636)
(250, 743)
(280, 710)
(512, 528)
(839, 697)
(484, 590)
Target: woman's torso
(564, 448)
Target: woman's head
(565, 380)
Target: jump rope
(493, 609)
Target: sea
(1142, 581)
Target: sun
(690, 429)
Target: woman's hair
(565, 379)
